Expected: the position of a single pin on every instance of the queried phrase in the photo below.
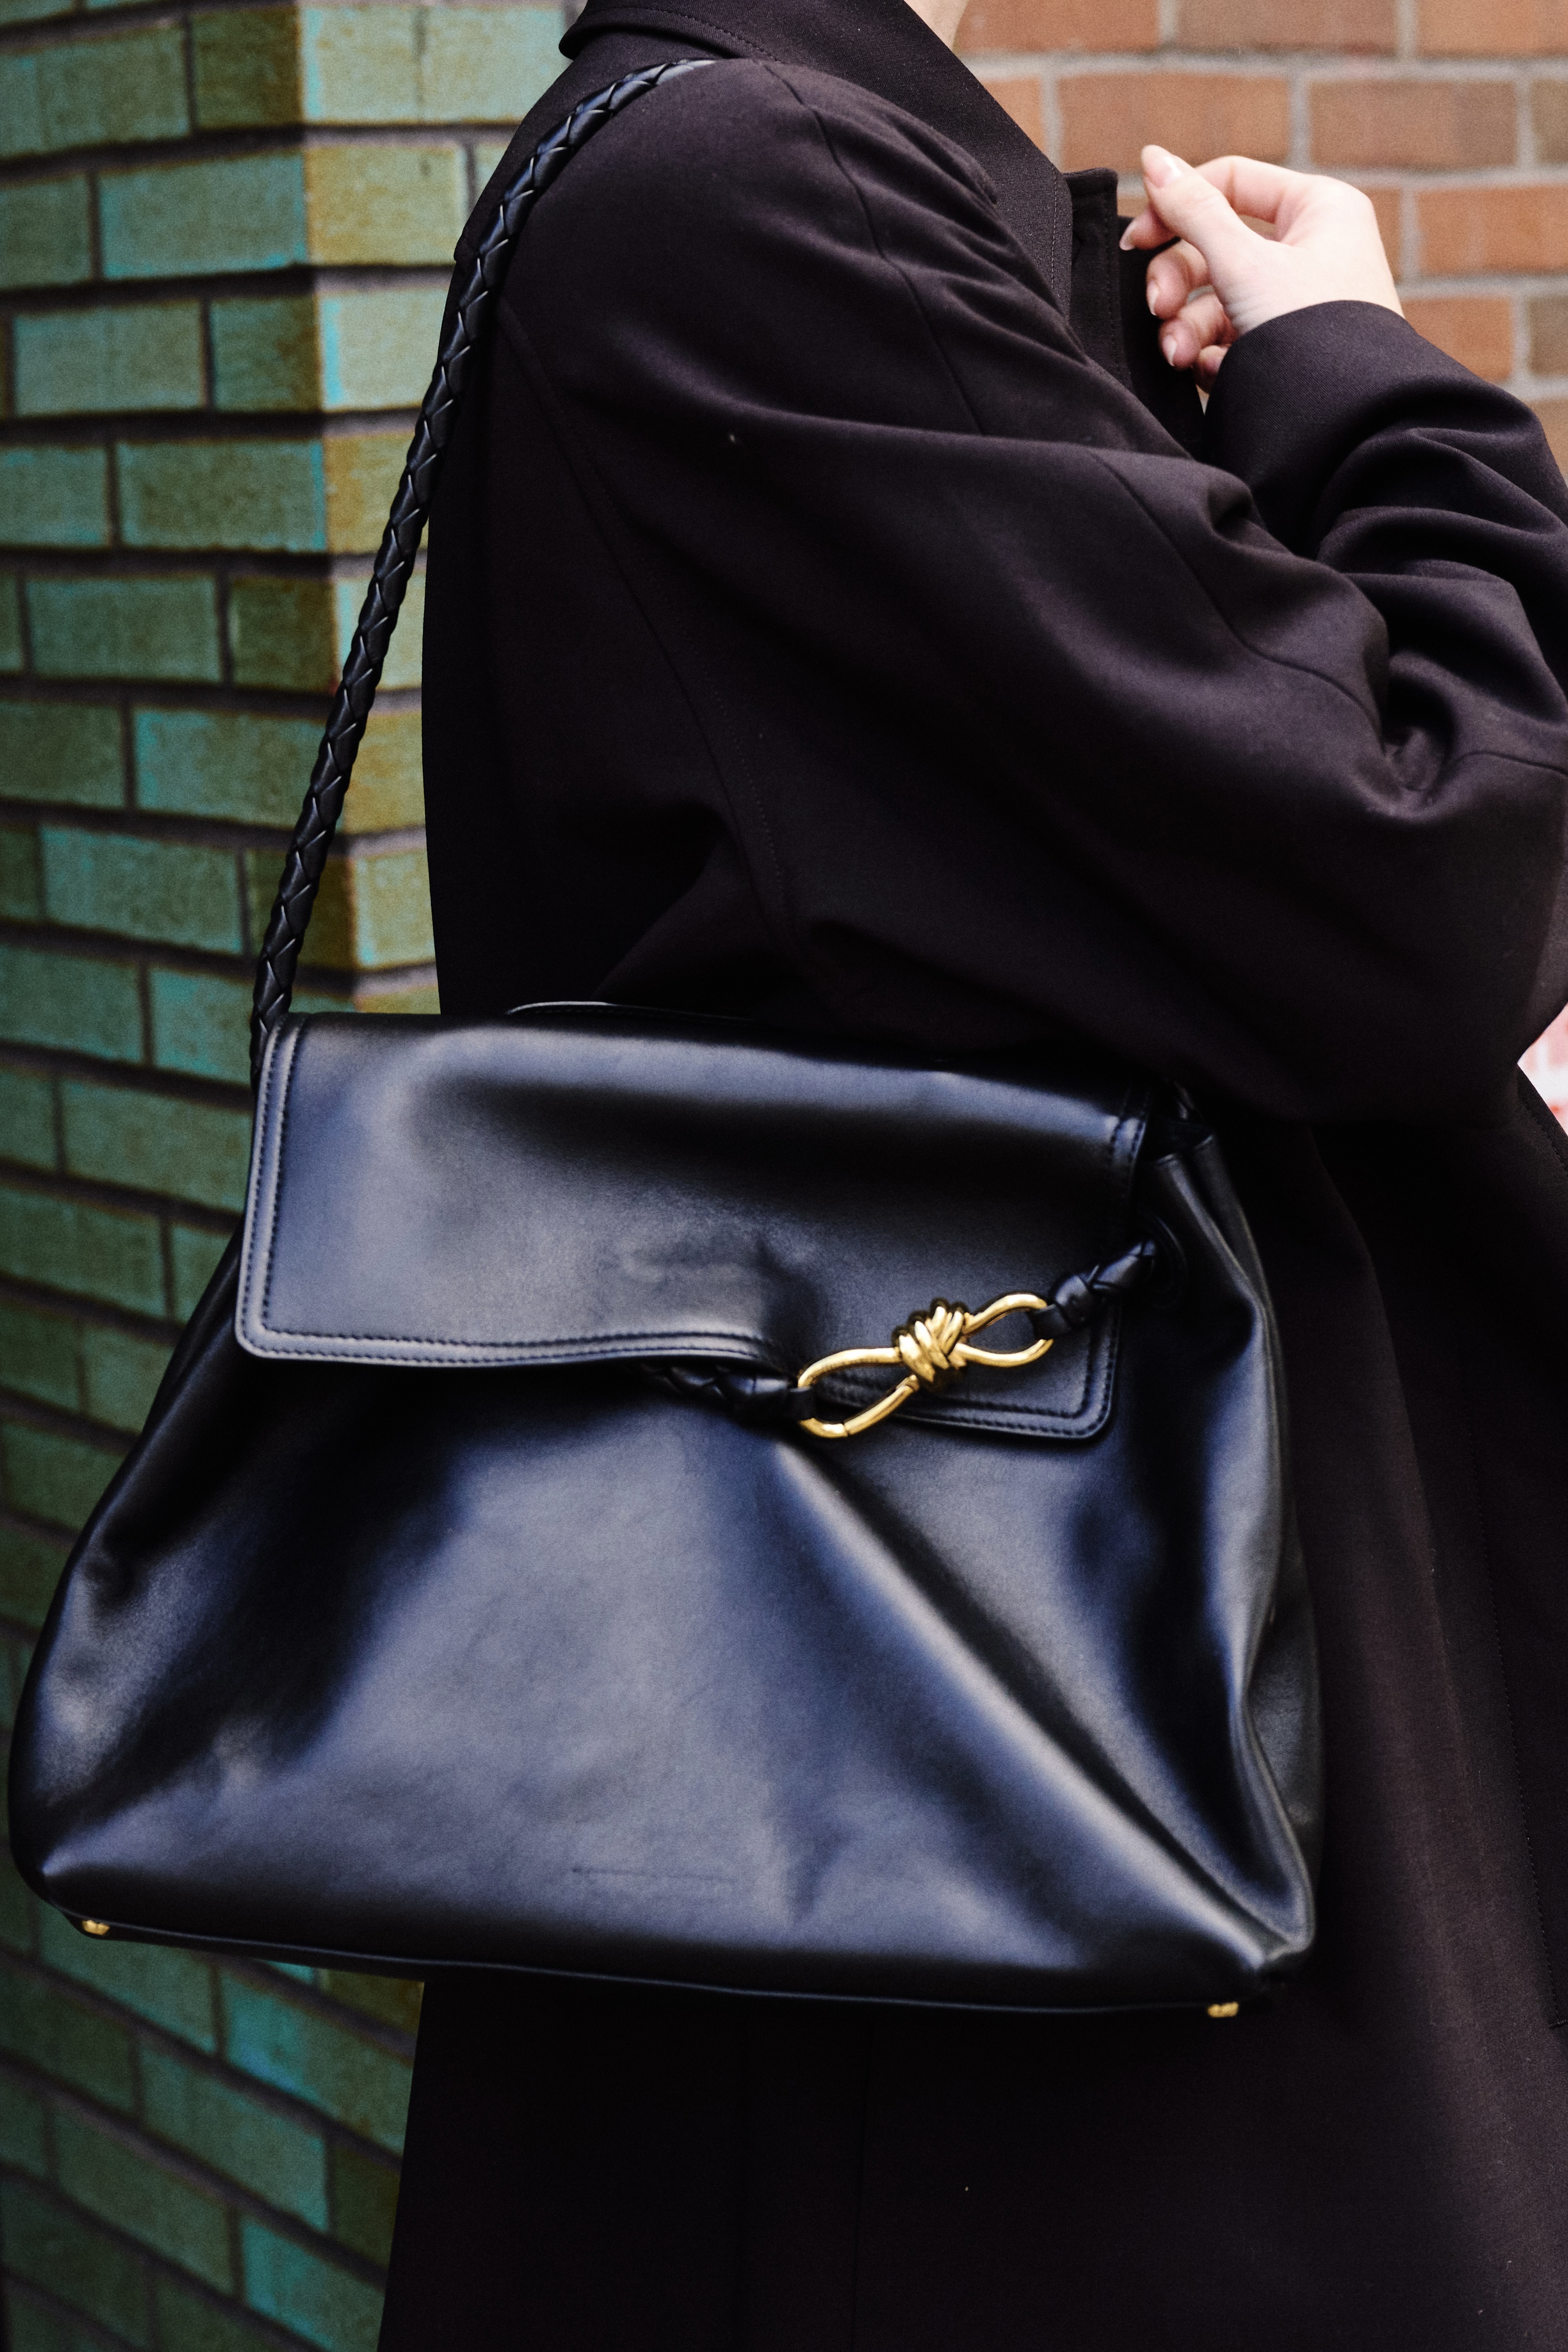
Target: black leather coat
(837, 614)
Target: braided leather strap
(349, 714)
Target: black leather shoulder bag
(539, 1554)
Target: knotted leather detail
(350, 713)
(767, 1399)
(1078, 1299)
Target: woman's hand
(1222, 278)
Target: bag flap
(580, 1183)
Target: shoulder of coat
(758, 120)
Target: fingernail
(1149, 292)
(1160, 165)
(1168, 345)
(1125, 240)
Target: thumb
(1193, 208)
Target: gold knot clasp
(934, 1349)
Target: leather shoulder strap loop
(1078, 1299)
(350, 713)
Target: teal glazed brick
(39, 1355)
(48, 2030)
(21, 882)
(28, 1118)
(188, 2323)
(398, 64)
(390, 2001)
(108, 1254)
(13, 1673)
(52, 1477)
(120, 1376)
(59, 2252)
(269, 495)
(171, 1988)
(89, 363)
(360, 64)
(125, 628)
(246, 68)
(392, 909)
(16, 1908)
(236, 765)
(61, 751)
(191, 1151)
(36, 2329)
(271, 2154)
(54, 498)
(30, 2328)
(24, 2135)
(488, 65)
(316, 2060)
(201, 1024)
(102, 93)
(240, 212)
(79, 1250)
(46, 233)
(404, 655)
(10, 623)
(121, 2187)
(75, 1003)
(364, 2203)
(280, 633)
(295, 2287)
(27, 12)
(164, 891)
(194, 1254)
(377, 349)
(23, 2141)
(30, 1566)
(265, 354)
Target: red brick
(1554, 415)
(1549, 335)
(1493, 29)
(1020, 95)
(1388, 204)
(1356, 26)
(1434, 126)
(1107, 117)
(1475, 329)
(1462, 231)
(1098, 24)
(1549, 105)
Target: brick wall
(1452, 113)
(224, 233)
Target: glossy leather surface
(583, 1185)
(538, 1664)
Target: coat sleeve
(1252, 769)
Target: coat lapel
(883, 46)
